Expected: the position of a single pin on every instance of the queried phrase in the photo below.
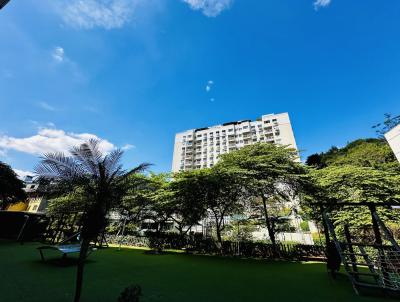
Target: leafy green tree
(224, 196)
(241, 228)
(213, 192)
(269, 172)
(136, 203)
(357, 184)
(101, 182)
(185, 201)
(158, 194)
(11, 187)
(374, 153)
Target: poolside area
(170, 277)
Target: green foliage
(241, 230)
(365, 170)
(188, 198)
(357, 184)
(373, 153)
(11, 188)
(96, 179)
(147, 198)
(71, 202)
(304, 226)
(271, 173)
(319, 239)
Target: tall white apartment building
(393, 138)
(200, 148)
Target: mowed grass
(167, 278)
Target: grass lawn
(169, 277)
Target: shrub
(304, 226)
(130, 294)
(318, 238)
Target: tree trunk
(81, 263)
(269, 227)
(219, 238)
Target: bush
(318, 238)
(130, 294)
(304, 226)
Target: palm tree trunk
(271, 232)
(81, 264)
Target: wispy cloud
(321, 3)
(210, 8)
(88, 14)
(50, 140)
(127, 147)
(46, 106)
(58, 54)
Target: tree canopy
(374, 153)
(272, 174)
(11, 187)
(97, 178)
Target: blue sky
(134, 72)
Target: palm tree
(101, 179)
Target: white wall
(393, 138)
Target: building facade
(36, 200)
(201, 148)
(393, 138)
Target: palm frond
(58, 166)
(81, 154)
(112, 163)
(89, 152)
(93, 146)
(140, 168)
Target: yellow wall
(17, 207)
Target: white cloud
(88, 14)
(210, 8)
(321, 3)
(50, 140)
(212, 99)
(209, 85)
(46, 106)
(58, 54)
(22, 174)
(127, 147)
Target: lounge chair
(63, 248)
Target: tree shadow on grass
(61, 262)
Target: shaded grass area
(168, 278)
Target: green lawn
(170, 277)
